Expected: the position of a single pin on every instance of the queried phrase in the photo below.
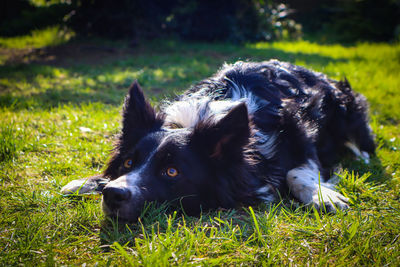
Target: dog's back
(282, 97)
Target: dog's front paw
(327, 200)
(88, 185)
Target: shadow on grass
(376, 170)
(165, 220)
(162, 69)
(51, 99)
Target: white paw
(327, 200)
(360, 155)
(365, 157)
(81, 186)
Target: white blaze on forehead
(131, 180)
(128, 181)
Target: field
(60, 102)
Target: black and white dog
(248, 134)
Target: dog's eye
(128, 163)
(172, 172)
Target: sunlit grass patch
(50, 36)
(9, 144)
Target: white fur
(353, 148)
(266, 144)
(359, 154)
(241, 94)
(187, 113)
(127, 181)
(218, 109)
(365, 156)
(305, 184)
(130, 180)
(81, 186)
(265, 194)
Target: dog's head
(187, 166)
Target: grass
(50, 36)
(44, 103)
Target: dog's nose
(115, 196)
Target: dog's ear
(138, 119)
(225, 139)
(138, 115)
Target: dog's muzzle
(115, 197)
(121, 201)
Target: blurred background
(235, 21)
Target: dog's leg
(335, 178)
(361, 155)
(84, 186)
(305, 184)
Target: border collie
(251, 133)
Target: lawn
(60, 102)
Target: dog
(251, 133)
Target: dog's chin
(122, 220)
(122, 216)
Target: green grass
(43, 105)
(50, 36)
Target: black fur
(220, 159)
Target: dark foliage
(120, 19)
(233, 21)
(20, 16)
(212, 20)
(349, 20)
(236, 20)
